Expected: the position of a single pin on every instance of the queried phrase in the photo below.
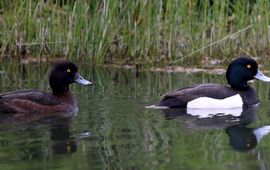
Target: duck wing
(35, 96)
(180, 97)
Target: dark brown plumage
(60, 100)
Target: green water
(113, 130)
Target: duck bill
(262, 77)
(80, 80)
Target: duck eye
(68, 70)
(248, 66)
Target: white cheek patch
(210, 103)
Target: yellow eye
(68, 70)
(248, 66)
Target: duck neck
(239, 85)
(59, 89)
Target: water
(113, 130)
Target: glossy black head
(62, 75)
(240, 71)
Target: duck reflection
(62, 140)
(244, 139)
(213, 118)
(234, 121)
(37, 140)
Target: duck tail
(156, 107)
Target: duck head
(63, 74)
(241, 70)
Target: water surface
(113, 130)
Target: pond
(113, 130)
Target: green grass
(133, 32)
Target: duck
(59, 100)
(238, 92)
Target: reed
(133, 32)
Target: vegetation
(133, 32)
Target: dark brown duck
(60, 100)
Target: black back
(32, 95)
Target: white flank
(261, 132)
(210, 103)
(208, 113)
